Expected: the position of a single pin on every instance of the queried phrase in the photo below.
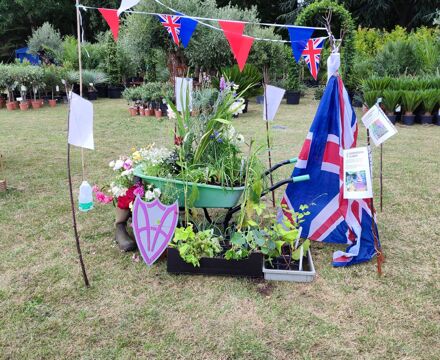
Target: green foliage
(292, 81)
(250, 78)
(193, 246)
(341, 19)
(370, 97)
(52, 77)
(204, 100)
(411, 100)
(390, 100)
(46, 38)
(430, 98)
(397, 58)
(377, 83)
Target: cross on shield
(153, 227)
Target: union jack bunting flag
(332, 218)
(172, 24)
(312, 55)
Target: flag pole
(377, 246)
(69, 172)
(381, 177)
(269, 151)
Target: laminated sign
(380, 127)
(357, 174)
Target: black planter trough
(426, 119)
(92, 95)
(292, 97)
(250, 267)
(102, 91)
(114, 92)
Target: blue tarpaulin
(22, 55)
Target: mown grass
(132, 311)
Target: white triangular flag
(81, 122)
(127, 4)
(184, 89)
(273, 97)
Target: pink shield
(153, 227)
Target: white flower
(240, 139)
(157, 192)
(237, 107)
(149, 195)
(117, 191)
(118, 165)
(171, 113)
(111, 164)
(127, 172)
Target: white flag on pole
(127, 4)
(274, 95)
(81, 122)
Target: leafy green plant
(250, 79)
(376, 83)
(193, 246)
(390, 100)
(430, 98)
(94, 77)
(52, 78)
(47, 39)
(370, 97)
(411, 100)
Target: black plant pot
(102, 91)
(92, 95)
(114, 92)
(408, 119)
(164, 108)
(426, 119)
(246, 104)
(260, 99)
(250, 267)
(292, 97)
(393, 118)
(436, 120)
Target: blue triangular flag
(187, 27)
(299, 37)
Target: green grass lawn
(132, 311)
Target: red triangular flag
(240, 45)
(111, 16)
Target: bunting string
(202, 19)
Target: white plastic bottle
(85, 197)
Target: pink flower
(139, 191)
(128, 164)
(102, 198)
(95, 188)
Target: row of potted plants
(148, 99)
(408, 96)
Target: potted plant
(92, 78)
(52, 79)
(36, 82)
(293, 84)
(410, 100)
(9, 75)
(390, 100)
(430, 98)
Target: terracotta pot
(52, 103)
(2, 103)
(141, 111)
(158, 113)
(149, 112)
(133, 111)
(36, 104)
(24, 106)
(3, 186)
(12, 105)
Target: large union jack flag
(172, 24)
(333, 218)
(312, 55)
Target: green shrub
(430, 98)
(46, 38)
(411, 100)
(390, 100)
(370, 97)
(250, 75)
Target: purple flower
(222, 83)
(139, 191)
(128, 164)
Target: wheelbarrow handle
(282, 163)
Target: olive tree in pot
(390, 100)
(92, 78)
(8, 81)
(52, 80)
(430, 98)
(410, 100)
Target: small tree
(45, 41)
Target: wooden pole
(69, 172)
(269, 150)
(381, 177)
(379, 254)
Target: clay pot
(52, 102)
(36, 104)
(141, 111)
(149, 112)
(158, 113)
(24, 106)
(133, 111)
(12, 105)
